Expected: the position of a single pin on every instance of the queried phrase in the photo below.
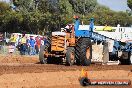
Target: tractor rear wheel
(77, 51)
(84, 51)
(70, 56)
(42, 58)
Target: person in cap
(23, 45)
(32, 43)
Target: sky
(5, 0)
(116, 5)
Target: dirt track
(25, 72)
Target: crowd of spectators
(27, 45)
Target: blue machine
(118, 46)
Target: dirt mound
(18, 59)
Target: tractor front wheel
(70, 56)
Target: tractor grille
(58, 43)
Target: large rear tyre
(42, 58)
(84, 51)
(70, 56)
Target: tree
(83, 6)
(110, 18)
(4, 7)
(5, 15)
(50, 15)
(56, 13)
(15, 2)
(30, 15)
(65, 12)
(129, 3)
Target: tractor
(70, 45)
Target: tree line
(42, 16)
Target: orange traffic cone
(83, 73)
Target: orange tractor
(61, 47)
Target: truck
(74, 46)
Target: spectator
(27, 46)
(17, 38)
(45, 40)
(19, 43)
(32, 45)
(38, 43)
(42, 41)
(13, 40)
(1, 37)
(23, 45)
